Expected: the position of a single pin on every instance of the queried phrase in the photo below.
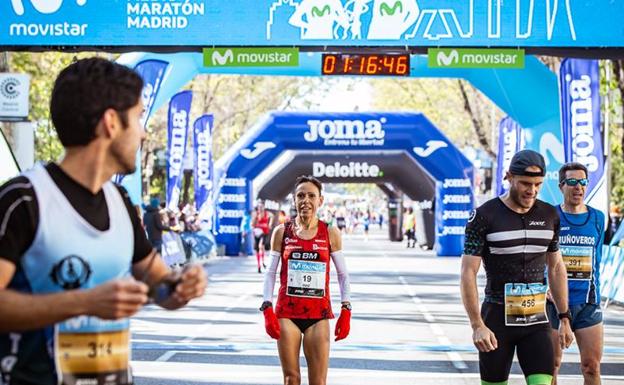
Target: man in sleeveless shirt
(580, 240)
(75, 262)
(516, 236)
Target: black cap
(527, 158)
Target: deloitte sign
(251, 57)
(476, 58)
(351, 170)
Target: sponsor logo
(317, 247)
(351, 170)
(450, 198)
(473, 215)
(565, 228)
(292, 247)
(179, 121)
(46, 7)
(346, 132)
(71, 272)
(258, 149)
(475, 58)
(41, 6)
(9, 88)
(251, 57)
(582, 121)
(453, 230)
(456, 183)
(432, 146)
(289, 240)
(204, 145)
(537, 223)
(229, 229)
(305, 255)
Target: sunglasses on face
(574, 181)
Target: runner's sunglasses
(574, 181)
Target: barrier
(177, 248)
(612, 274)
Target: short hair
(309, 179)
(570, 166)
(84, 90)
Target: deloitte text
(346, 132)
(251, 57)
(351, 170)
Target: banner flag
(203, 166)
(177, 130)
(509, 142)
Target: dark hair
(309, 179)
(84, 91)
(570, 166)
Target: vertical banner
(203, 170)
(579, 84)
(177, 129)
(152, 72)
(509, 142)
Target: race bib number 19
(525, 304)
(306, 278)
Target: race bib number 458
(306, 278)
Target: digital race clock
(366, 64)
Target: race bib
(579, 261)
(306, 278)
(84, 356)
(525, 304)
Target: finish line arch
(410, 133)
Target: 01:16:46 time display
(397, 65)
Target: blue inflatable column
(453, 204)
(234, 199)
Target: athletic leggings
(532, 344)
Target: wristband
(265, 304)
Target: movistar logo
(446, 60)
(321, 12)
(218, 59)
(42, 6)
(385, 9)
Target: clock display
(366, 64)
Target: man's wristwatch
(565, 314)
(346, 306)
(265, 305)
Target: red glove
(343, 325)
(271, 324)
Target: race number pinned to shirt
(306, 278)
(525, 304)
(89, 350)
(578, 261)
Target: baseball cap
(527, 158)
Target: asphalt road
(408, 327)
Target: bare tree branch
(481, 135)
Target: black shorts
(264, 238)
(533, 345)
(304, 324)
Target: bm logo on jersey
(71, 272)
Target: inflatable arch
(411, 134)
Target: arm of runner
(276, 255)
(558, 282)
(335, 239)
(483, 338)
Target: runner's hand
(192, 284)
(271, 324)
(484, 339)
(120, 298)
(566, 337)
(343, 326)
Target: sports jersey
(304, 276)
(513, 246)
(581, 241)
(58, 249)
(262, 223)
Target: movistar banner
(179, 111)
(251, 57)
(475, 58)
(579, 83)
(152, 72)
(438, 23)
(509, 142)
(203, 167)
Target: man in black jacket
(153, 224)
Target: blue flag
(178, 125)
(509, 142)
(579, 83)
(152, 72)
(203, 167)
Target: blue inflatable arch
(411, 133)
(530, 96)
